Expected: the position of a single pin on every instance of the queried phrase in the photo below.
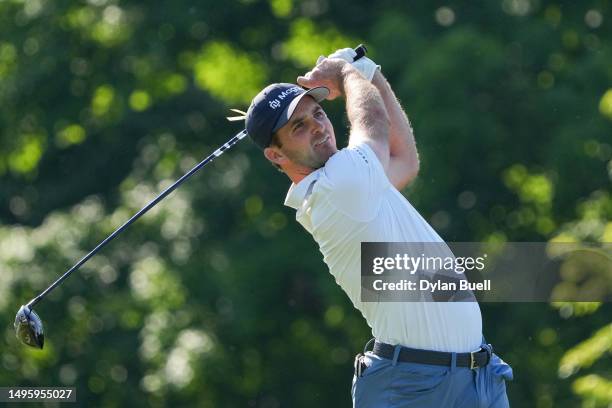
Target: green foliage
(596, 391)
(217, 297)
(227, 74)
(307, 42)
(586, 353)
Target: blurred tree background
(218, 298)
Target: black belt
(475, 359)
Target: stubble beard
(306, 160)
(311, 159)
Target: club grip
(360, 50)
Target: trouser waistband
(472, 360)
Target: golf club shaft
(146, 208)
(360, 50)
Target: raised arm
(364, 104)
(404, 160)
(403, 156)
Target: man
(427, 354)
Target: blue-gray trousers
(391, 384)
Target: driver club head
(29, 328)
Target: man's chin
(317, 159)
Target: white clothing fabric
(350, 200)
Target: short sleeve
(356, 181)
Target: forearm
(403, 153)
(364, 104)
(366, 111)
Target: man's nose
(317, 125)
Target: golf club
(28, 325)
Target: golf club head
(29, 328)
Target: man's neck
(298, 174)
(297, 177)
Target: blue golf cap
(272, 108)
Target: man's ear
(275, 155)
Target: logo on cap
(275, 103)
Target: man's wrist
(347, 73)
(378, 78)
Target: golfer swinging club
(425, 354)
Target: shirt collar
(297, 192)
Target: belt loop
(368, 344)
(453, 364)
(396, 354)
(489, 349)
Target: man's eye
(319, 114)
(297, 126)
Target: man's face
(307, 140)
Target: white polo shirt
(350, 200)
